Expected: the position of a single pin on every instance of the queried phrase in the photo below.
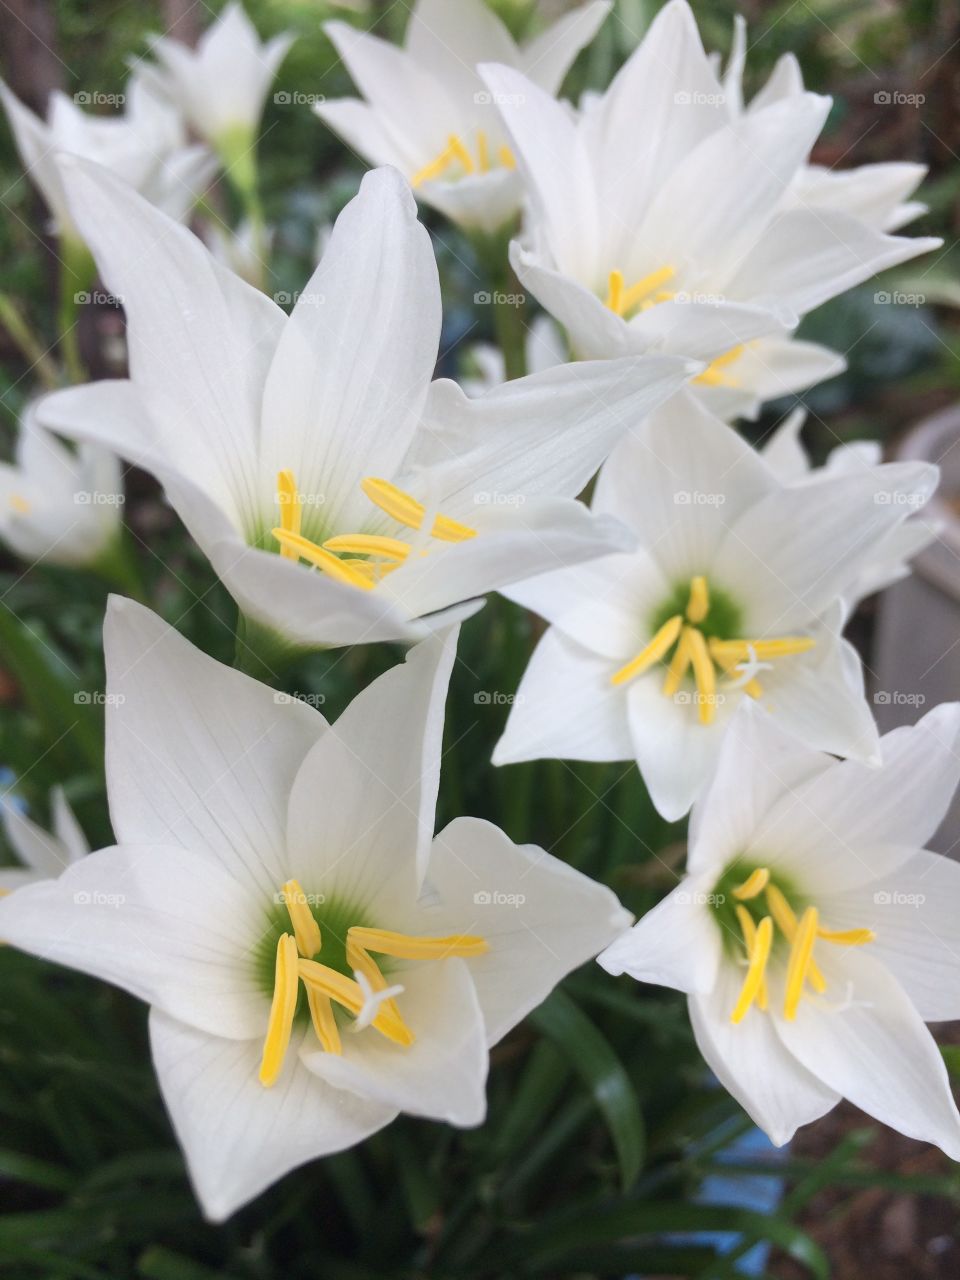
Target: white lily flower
(44, 854)
(221, 85)
(58, 504)
(265, 856)
(427, 112)
(544, 348)
(813, 932)
(338, 493)
(682, 235)
(647, 649)
(146, 146)
(877, 194)
(784, 452)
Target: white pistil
(372, 1000)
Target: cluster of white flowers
(276, 880)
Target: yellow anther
(373, 571)
(288, 500)
(754, 688)
(698, 606)
(456, 145)
(704, 675)
(406, 510)
(786, 922)
(19, 504)
(759, 953)
(483, 152)
(658, 648)
(306, 931)
(282, 1009)
(404, 946)
(754, 884)
(647, 285)
(362, 962)
(368, 544)
(615, 292)
(678, 665)
(324, 560)
(749, 931)
(730, 652)
(324, 1021)
(346, 992)
(506, 157)
(436, 167)
(715, 374)
(848, 937)
(801, 953)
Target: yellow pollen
(406, 510)
(678, 665)
(622, 300)
(658, 648)
(715, 374)
(754, 884)
(698, 605)
(320, 559)
(704, 675)
(404, 946)
(306, 931)
(758, 950)
(801, 953)
(368, 544)
(288, 500)
(282, 1009)
(346, 992)
(19, 504)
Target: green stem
(28, 342)
(238, 151)
(118, 567)
(77, 274)
(262, 652)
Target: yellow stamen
(749, 930)
(763, 650)
(658, 648)
(368, 544)
(362, 962)
(324, 1022)
(408, 511)
(404, 946)
(715, 374)
(759, 953)
(848, 937)
(754, 884)
(678, 665)
(637, 292)
(704, 675)
(282, 1009)
(19, 504)
(506, 157)
(698, 605)
(320, 559)
(288, 500)
(436, 167)
(483, 151)
(372, 570)
(306, 931)
(346, 992)
(753, 688)
(615, 292)
(461, 153)
(801, 953)
(786, 921)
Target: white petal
(680, 480)
(351, 371)
(544, 434)
(363, 806)
(37, 849)
(171, 927)
(767, 369)
(548, 56)
(836, 823)
(443, 1074)
(565, 708)
(783, 450)
(540, 918)
(67, 828)
(676, 754)
(809, 255)
(751, 1063)
(914, 912)
(238, 1137)
(111, 413)
(199, 337)
(876, 1052)
(361, 129)
(198, 754)
(477, 202)
(676, 944)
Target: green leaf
(595, 1061)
